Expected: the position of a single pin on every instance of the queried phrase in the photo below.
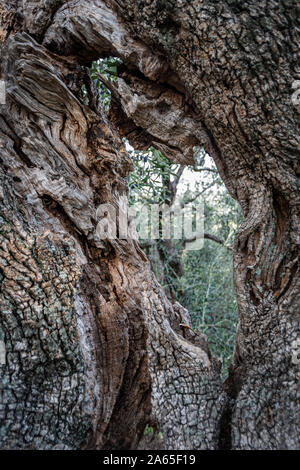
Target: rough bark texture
(91, 354)
(94, 348)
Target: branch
(213, 170)
(199, 193)
(208, 236)
(174, 184)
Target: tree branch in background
(174, 184)
(212, 170)
(208, 236)
(199, 193)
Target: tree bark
(91, 355)
(94, 348)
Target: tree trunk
(94, 349)
(91, 356)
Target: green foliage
(207, 285)
(147, 182)
(108, 68)
(150, 432)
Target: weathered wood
(91, 354)
(237, 63)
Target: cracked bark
(94, 349)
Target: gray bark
(91, 355)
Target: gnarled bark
(218, 74)
(91, 353)
(237, 61)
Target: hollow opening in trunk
(190, 253)
(196, 270)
